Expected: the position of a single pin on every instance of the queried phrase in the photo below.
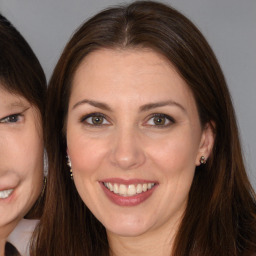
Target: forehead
(11, 100)
(140, 71)
(137, 60)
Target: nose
(127, 150)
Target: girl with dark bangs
(22, 98)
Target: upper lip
(3, 188)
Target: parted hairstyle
(21, 74)
(220, 217)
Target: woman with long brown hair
(143, 145)
(22, 99)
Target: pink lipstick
(128, 192)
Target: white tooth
(150, 185)
(139, 189)
(116, 190)
(145, 187)
(5, 193)
(131, 190)
(123, 190)
(110, 186)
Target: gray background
(229, 26)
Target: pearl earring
(202, 160)
(70, 170)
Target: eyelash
(85, 118)
(14, 118)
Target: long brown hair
(220, 218)
(21, 74)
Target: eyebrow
(93, 103)
(16, 104)
(143, 108)
(161, 104)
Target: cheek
(174, 161)
(26, 149)
(32, 152)
(32, 171)
(24, 156)
(175, 155)
(86, 154)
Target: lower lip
(128, 200)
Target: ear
(206, 143)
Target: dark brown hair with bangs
(220, 218)
(21, 74)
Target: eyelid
(84, 117)
(20, 113)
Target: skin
(131, 144)
(21, 157)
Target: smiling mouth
(5, 193)
(128, 190)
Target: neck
(2, 246)
(5, 231)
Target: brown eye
(97, 120)
(158, 120)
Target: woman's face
(21, 157)
(134, 139)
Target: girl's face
(21, 157)
(134, 139)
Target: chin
(127, 232)
(127, 229)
